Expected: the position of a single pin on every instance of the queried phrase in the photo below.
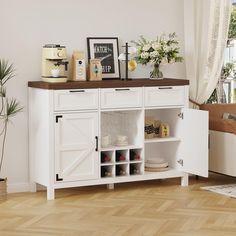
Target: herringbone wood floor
(159, 207)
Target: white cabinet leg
(50, 193)
(184, 180)
(110, 186)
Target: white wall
(26, 25)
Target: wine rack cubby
(120, 162)
(121, 170)
(121, 156)
(135, 169)
(135, 155)
(106, 157)
(107, 171)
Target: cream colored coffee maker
(54, 63)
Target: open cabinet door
(194, 144)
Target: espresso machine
(54, 63)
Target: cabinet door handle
(77, 91)
(57, 117)
(57, 178)
(165, 88)
(125, 89)
(96, 148)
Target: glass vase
(156, 73)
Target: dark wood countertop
(107, 84)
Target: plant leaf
(6, 71)
(13, 107)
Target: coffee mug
(55, 72)
(121, 138)
(106, 141)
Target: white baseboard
(17, 188)
(23, 187)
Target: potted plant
(9, 107)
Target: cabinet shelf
(167, 173)
(111, 148)
(107, 177)
(138, 161)
(121, 162)
(161, 140)
(107, 164)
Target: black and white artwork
(105, 49)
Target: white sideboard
(67, 121)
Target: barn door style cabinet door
(68, 120)
(76, 146)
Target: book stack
(156, 165)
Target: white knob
(60, 54)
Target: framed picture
(105, 49)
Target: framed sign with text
(107, 50)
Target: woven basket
(3, 189)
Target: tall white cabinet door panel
(76, 154)
(194, 141)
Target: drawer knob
(125, 89)
(77, 91)
(165, 88)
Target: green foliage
(213, 98)
(13, 107)
(9, 107)
(232, 25)
(6, 72)
(228, 71)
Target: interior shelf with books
(161, 125)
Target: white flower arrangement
(163, 50)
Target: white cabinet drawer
(75, 99)
(164, 96)
(121, 98)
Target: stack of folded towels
(156, 164)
